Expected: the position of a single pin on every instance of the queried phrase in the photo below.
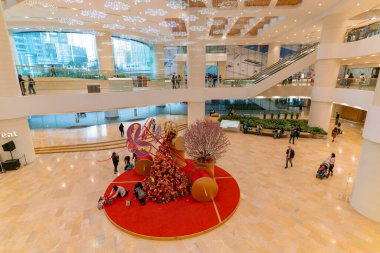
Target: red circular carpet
(177, 219)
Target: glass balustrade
(363, 32)
(361, 82)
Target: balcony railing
(363, 32)
(366, 83)
(41, 71)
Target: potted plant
(205, 142)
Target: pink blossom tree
(205, 141)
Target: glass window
(132, 56)
(68, 50)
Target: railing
(270, 70)
(45, 86)
(42, 71)
(299, 79)
(367, 83)
(363, 32)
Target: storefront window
(132, 56)
(66, 50)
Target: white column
(181, 69)
(105, 54)
(16, 130)
(196, 70)
(222, 69)
(8, 81)
(274, 50)
(159, 60)
(326, 71)
(366, 191)
(196, 60)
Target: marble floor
(50, 205)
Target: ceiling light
(207, 11)
(373, 55)
(73, 1)
(357, 4)
(156, 12)
(15, 28)
(373, 18)
(26, 17)
(134, 19)
(170, 24)
(116, 5)
(179, 34)
(70, 21)
(358, 57)
(188, 17)
(74, 9)
(295, 20)
(94, 14)
(41, 4)
(319, 4)
(114, 26)
(309, 12)
(50, 18)
(198, 28)
(141, 1)
(177, 5)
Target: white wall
(348, 50)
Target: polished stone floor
(50, 205)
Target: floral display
(166, 181)
(205, 141)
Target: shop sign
(6, 135)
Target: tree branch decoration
(205, 141)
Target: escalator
(282, 64)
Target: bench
(264, 132)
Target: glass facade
(132, 56)
(245, 61)
(67, 50)
(85, 119)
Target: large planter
(209, 167)
(319, 136)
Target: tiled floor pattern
(50, 205)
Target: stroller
(322, 171)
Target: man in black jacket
(289, 156)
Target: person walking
(220, 79)
(334, 133)
(52, 71)
(289, 156)
(115, 161)
(21, 81)
(31, 84)
(153, 125)
(178, 80)
(331, 161)
(337, 116)
(173, 81)
(300, 107)
(293, 135)
(121, 129)
(214, 79)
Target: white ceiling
(300, 24)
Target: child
(128, 165)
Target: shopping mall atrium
(256, 85)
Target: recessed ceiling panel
(288, 2)
(257, 3)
